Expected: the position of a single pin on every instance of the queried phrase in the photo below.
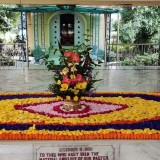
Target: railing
(121, 51)
(10, 54)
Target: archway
(68, 28)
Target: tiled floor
(37, 78)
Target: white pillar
(117, 49)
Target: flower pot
(71, 105)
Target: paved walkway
(37, 78)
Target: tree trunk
(159, 59)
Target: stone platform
(91, 150)
(37, 78)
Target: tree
(139, 24)
(147, 21)
(8, 19)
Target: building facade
(70, 25)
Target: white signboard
(75, 152)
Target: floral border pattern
(139, 120)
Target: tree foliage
(140, 24)
(8, 19)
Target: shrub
(145, 60)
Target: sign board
(75, 152)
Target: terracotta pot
(71, 105)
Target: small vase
(71, 105)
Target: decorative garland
(104, 115)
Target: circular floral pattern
(119, 115)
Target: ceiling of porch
(85, 2)
(63, 8)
